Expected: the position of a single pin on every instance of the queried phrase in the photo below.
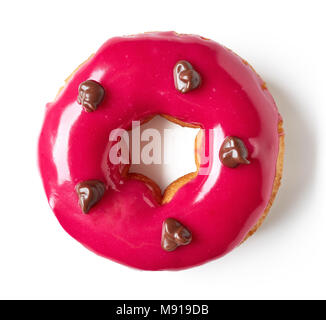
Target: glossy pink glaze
(137, 74)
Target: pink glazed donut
(192, 81)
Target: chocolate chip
(89, 192)
(90, 95)
(186, 78)
(233, 152)
(174, 234)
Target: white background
(43, 41)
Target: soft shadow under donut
(299, 160)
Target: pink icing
(137, 74)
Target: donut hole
(166, 157)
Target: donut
(194, 82)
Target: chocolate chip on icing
(174, 234)
(233, 152)
(90, 95)
(89, 192)
(186, 78)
